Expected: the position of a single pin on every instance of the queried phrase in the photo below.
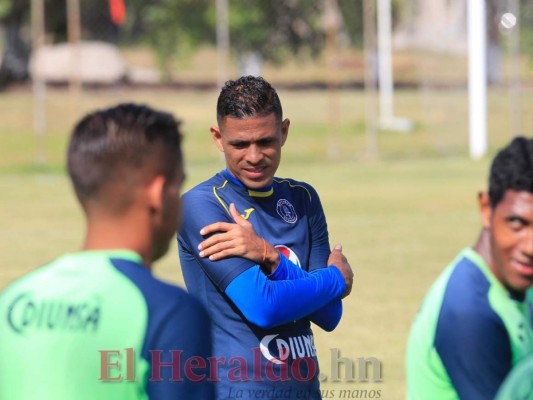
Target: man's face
(511, 233)
(252, 147)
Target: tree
(273, 29)
(14, 68)
(352, 14)
(175, 26)
(15, 16)
(276, 27)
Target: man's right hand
(338, 260)
(238, 239)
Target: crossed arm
(281, 291)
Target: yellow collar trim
(254, 193)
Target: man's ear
(217, 137)
(155, 193)
(485, 209)
(285, 130)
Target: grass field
(401, 218)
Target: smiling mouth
(525, 269)
(255, 172)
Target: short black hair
(112, 146)
(512, 169)
(248, 96)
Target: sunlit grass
(401, 218)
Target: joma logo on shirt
(247, 213)
(26, 313)
(292, 347)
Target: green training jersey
(87, 326)
(519, 383)
(467, 335)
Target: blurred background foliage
(276, 31)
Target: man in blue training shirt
(255, 250)
(476, 321)
(96, 324)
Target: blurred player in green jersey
(96, 324)
(476, 322)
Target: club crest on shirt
(288, 253)
(286, 211)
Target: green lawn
(401, 219)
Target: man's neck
(483, 247)
(119, 233)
